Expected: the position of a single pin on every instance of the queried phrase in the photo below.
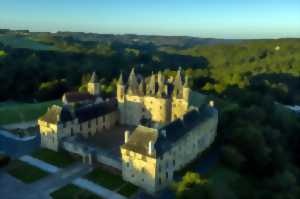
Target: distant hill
(18, 41)
(34, 40)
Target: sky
(230, 19)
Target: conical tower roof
(186, 81)
(121, 81)
(132, 83)
(94, 78)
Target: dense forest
(258, 138)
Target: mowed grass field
(23, 112)
(112, 181)
(71, 191)
(25, 172)
(59, 159)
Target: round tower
(186, 91)
(120, 89)
(93, 86)
(121, 99)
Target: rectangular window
(159, 180)
(174, 163)
(167, 175)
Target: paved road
(60, 177)
(20, 125)
(12, 188)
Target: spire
(160, 78)
(178, 78)
(161, 84)
(120, 81)
(152, 84)
(178, 84)
(94, 78)
(142, 87)
(132, 83)
(186, 81)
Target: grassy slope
(23, 112)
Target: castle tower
(120, 89)
(93, 85)
(132, 83)
(186, 89)
(121, 99)
(142, 87)
(177, 92)
(152, 85)
(161, 84)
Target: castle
(172, 124)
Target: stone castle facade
(173, 124)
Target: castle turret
(177, 92)
(132, 83)
(161, 84)
(120, 89)
(93, 85)
(186, 89)
(121, 98)
(142, 87)
(152, 85)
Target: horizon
(207, 19)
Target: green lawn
(60, 158)
(112, 182)
(25, 172)
(73, 192)
(105, 178)
(23, 112)
(128, 189)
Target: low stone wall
(90, 153)
(108, 160)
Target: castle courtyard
(109, 140)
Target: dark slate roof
(166, 136)
(89, 112)
(180, 127)
(74, 97)
(56, 114)
(139, 139)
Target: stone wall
(139, 170)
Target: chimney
(150, 148)
(211, 103)
(126, 138)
